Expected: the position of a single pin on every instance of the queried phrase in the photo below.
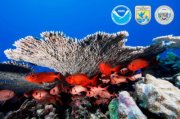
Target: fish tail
(94, 80)
(58, 75)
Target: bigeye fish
(47, 77)
(106, 68)
(81, 79)
(12, 77)
(6, 95)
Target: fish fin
(115, 69)
(92, 82)
(85, 84)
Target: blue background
(78, 18)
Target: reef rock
(30, 109)
(127, 107)
(159, 97)
(174, 79)
(67, 55)
(124, 107)
(79, 108)
(98, 115)
(113, 109)
(177, 81)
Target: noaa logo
(164, 15)
(143, 14)
(121, 15)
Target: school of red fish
(77, 84)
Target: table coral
(67, 55)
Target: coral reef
(97, 77)
(67, 55)
(159, 97)
(98, 115)
(113, 109)
(170, 41)
(127, 108)
(33, 110)
(124, 107)
(79, 108)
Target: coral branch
(68, 55)
(171, 41)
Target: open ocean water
(78, 18)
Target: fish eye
(36, 93)
(53, 90)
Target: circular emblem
(164, 15)
(121, 15)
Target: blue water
(77, 18)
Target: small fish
(6, 95)
(82, 79)
(98, 91)
(116, 79)
(43, 96)
(138, 64)
(55, 90)
(12, 77)
(123, 71)
(43, 77)
(106, 69)
(76, 90)
(135, 77)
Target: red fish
(106, 69)
(6, 95)
(138, 64)
(43, 96)
(81, 79)
(48, 77)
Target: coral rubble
(67, 55)
(33, 110)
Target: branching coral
(68, 55)
(170, 41)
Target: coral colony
(97, 77)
